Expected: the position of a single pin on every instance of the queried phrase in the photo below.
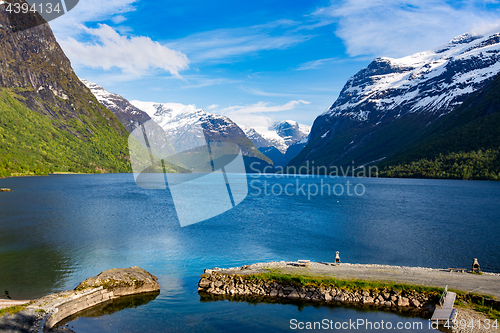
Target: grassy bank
(350, 285)
(12, 310)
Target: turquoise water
(56, 231)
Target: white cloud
(259, 92)
(263, 107)
(315, 64)
(258, 122)
(105, 47)
(200, 81)
(223, 44)
(252, 115)
(70, 24)
(398, 28)
(134, 55)
(118, 19)
(213, 106)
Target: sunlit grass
(12, 310)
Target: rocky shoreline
(214, 282)
(392, 288)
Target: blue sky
(255, 61)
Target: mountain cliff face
(49, 120)
(388, 104)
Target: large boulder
(123, 281)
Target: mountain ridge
(389, 103)
(189, 127)
(281, 134)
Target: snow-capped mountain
(387, 104)
(188, 127)
(433, 81)
(182, 123)
(127, 114)
(281, 135)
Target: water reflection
(32, 271)
(112, 306)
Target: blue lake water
(58, 230)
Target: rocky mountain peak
(445, 76)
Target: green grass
(487, 310)
(479, 307)
(317, 281)
(11, 310)
(467, 300)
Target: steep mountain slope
(389, 104)
(294, 150)
(463, 144)
(49, 120)
(127, 114)
(188, 127)
(274, 155)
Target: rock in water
(123, 281)
(5, 190)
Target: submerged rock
(123, 281)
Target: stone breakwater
(217, 283)
(45, 313)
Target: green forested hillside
(32, 143)
(464, 144)
(479, 164)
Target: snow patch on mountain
(129, 115)
(281, 134)
(185, 125)
(436, 80)
(108, 99)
